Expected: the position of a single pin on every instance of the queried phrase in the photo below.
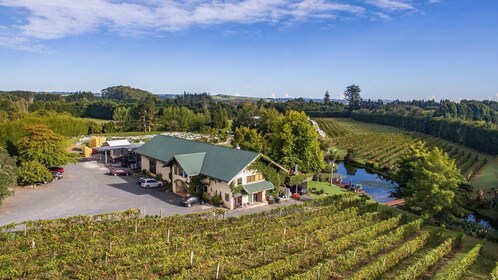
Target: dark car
(119, 172)
(300, 189)
(56, 175)
(188, 201)
(56, 169)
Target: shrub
(33, 172)
(206, 196)
(216, 200)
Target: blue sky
(406, 49)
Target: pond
(378, 187)
(381, 189)
(476, 218)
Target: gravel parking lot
(86, 189)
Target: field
(384, 145)
(333, 237)
(99, 121)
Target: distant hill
(220, 97)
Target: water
(377, 186)
(481, 220)
(381, 188)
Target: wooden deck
(346, 186)
(396, 202)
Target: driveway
(87, 190)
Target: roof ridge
(190, 154)
(210, 144)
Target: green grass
(467, 244)
(486, 261)
(488, 177)
(326, 187)
(99, 121)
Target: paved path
(257, 209)
(86, 189)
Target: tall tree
(432, 182)
(8, 173)
(248, 139)
(352, 94)
(326, 98)
(122, 117)
(295, 141)
(44, 146)
(147, 111)
(220, 117)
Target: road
(87, 190)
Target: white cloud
(286, 95)
(496, 96)
(273, 95)
(392, 5)
(382, 15)
(53, 19)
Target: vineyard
(384, 145)
(334, 237)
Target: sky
(392, 49)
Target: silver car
(141, 179)
(151, 183)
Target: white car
(151, 183)
(141, 179)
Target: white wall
(164, 171)
(218, 187)
(145, 163)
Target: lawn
(99, 121)
(326, 187)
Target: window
(227, 197)
(152, 166)
(254, 178)
(239, 181)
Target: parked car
(190, 200)
(119, 172)
(56, 175)
(141, 179)
(56, 169)
(151, 183)
(300, 189)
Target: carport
(127, 150)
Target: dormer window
(254, 178)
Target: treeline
(471, 110)
(466, 110)
(61, 124)
(478, 135)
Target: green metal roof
(258, 186)
(219, 162)
(191, 163)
